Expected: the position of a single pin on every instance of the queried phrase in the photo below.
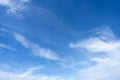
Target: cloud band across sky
(36, 49)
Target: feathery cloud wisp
(31, 76)
(7, 47)
(14, 6)
(36, 49)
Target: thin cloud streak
(36, 49)
(7, 47)
(31, 76)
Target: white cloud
(30, 71)
(107, 68)
(7, 47)
(14, 6)
(103, 41)
(95, 44)
(17, 76)
(36, 49)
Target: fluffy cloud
(36, 49)
(96, 44)
(14, 6)
(107, 68)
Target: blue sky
(59, 40)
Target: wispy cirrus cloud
(2, 29)
(107, 68)
(28, 75)
(14, 7)
(2, 44)
(36, 49)
(30, 71)
(7, 47)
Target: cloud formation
(4, 75)
(107, 68)
(14, 7)
(6, 47)
(36, 49)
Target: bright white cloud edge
(14, 7)
(107, 68)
